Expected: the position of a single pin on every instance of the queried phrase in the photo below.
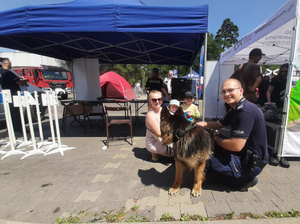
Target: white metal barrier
(31, 146)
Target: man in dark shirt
(249, 75)
(9, 80)
(156, 83)
(242, 157)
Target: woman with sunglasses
(153, 133)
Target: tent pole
(197, 98)
(286, 104)
(204, 77)
(218, 95)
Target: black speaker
(179, 87)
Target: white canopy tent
(279, 39)
(274, 37)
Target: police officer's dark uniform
(155, 84)
(238, 169)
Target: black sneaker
(273, 161)
(249, 184)
(284, 163)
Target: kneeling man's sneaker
(248, 184)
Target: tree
(227, 35)
(214, 47)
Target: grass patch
(133, 216)
(187, 217)
(167, 217)
(274, 214)
(134, 208)
(73, 218)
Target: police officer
(239, 159)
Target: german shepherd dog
(192, 147)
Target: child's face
(173, 108)
(189, 100)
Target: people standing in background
(277, 86)
(263, 88)
(249, 75)
(168, 81)
(12, 82)
(156, 83)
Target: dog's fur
(192, 147)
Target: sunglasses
(154, 100)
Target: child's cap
(188, 94)
(174, 102)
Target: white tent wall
(86, 78)
(213, 81)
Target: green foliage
(167, 217)
(229, 216)
(227, 35)
(111, 217)
(255, 216)
(72, 218)
(120, 216)
(249, 215)
(136, 218)
(214, 48)
(187, 217)
(274, 214)
(134, 208)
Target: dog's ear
(179, 112)
(164, 112)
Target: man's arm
(269, 93)
(166, 93)
(233, 144)
(212, 124)
(22, 82)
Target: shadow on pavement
(166, 178)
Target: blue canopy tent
(193, 75)
(120, 32)
(106, 31)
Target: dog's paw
(196, 193)
(173, 191)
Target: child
(190, 109)
(173, 106)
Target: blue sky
(246, 14)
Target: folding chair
(118, 119)
(75, 110)
(93, 109)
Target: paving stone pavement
(40, 189)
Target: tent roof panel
(274, 37)
(89, 29)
